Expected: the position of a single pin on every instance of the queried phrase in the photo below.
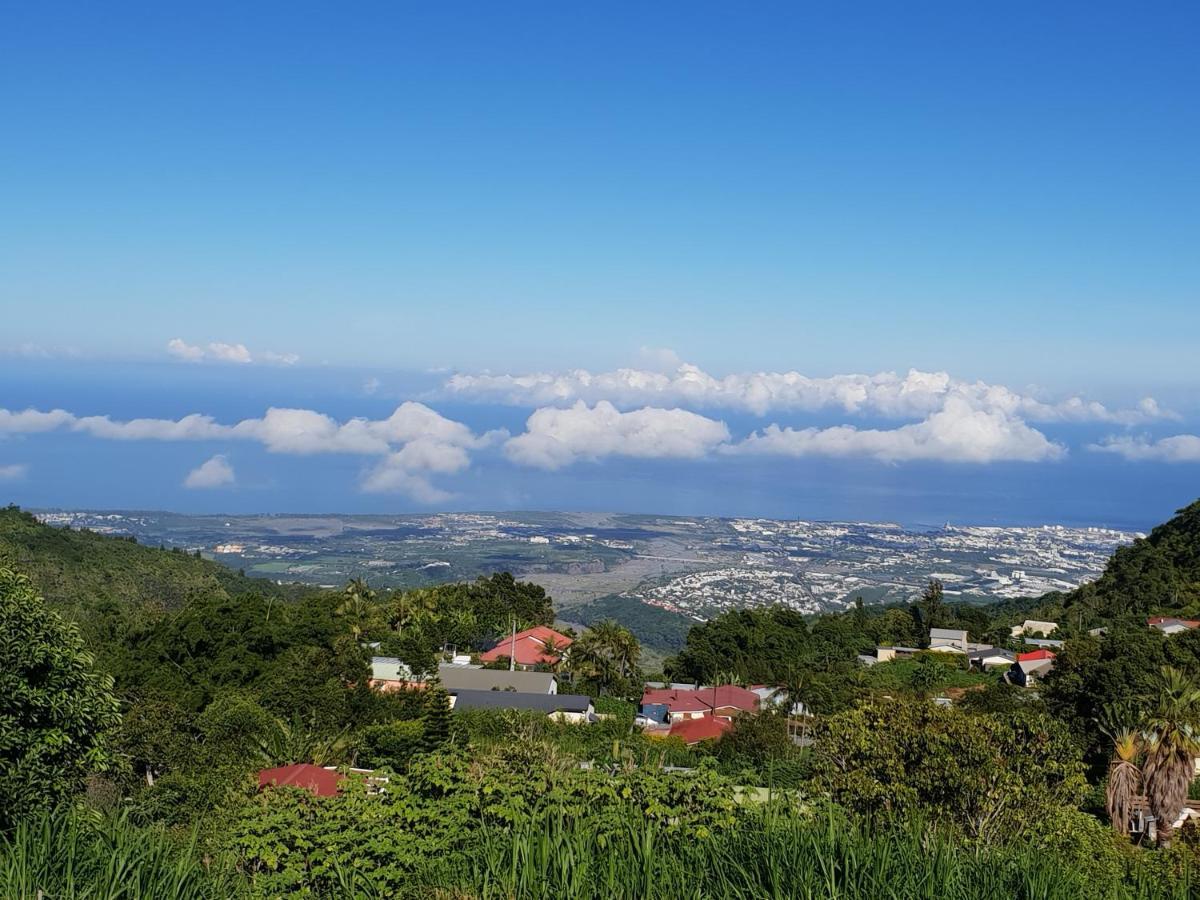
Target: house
(993, 657)
(672, 685)
(1033, 626)
(574, 708)
(726, 700)
(953, 640)
(887, 654)
(528, 648)
(455, 678)
(391, 674)
(769, 695)
(321, 782)
(1030, 667)
(1168, 625)
(705, 728)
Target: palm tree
(1172, 740)
(357, 605)
(1124, 780)
(297, 741)
(616, 643)
(606, 654)
(554, 651)
(410, 607)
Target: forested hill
(1156, 574)
(72, 568)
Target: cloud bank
(886, 394)
(13, 472)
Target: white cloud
(180, 349)
(281, 359)
(413, 443)
(555, 438)
(392, 477)
(218, 351)
(194, 427)
(957, 433)
(234, 353)
(1180, 448)
(32, 421)
(371, 385)
(13, 472)
(215, 472)
(912, 396)
(304, 432)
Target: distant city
(696, 567)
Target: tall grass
(777, 858)
(69, 855)
(771, 856)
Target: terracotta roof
(322, 782)
(1160, 620)
(530, 646)
(704, 698)
(1034, 655)
(705, 728)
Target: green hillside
(658, 628)
(69, 567)
(97, 580)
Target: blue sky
(397, 194)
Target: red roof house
(1031, 667)
(528, 647)
(1034, 655)
(726, 700)
(322, 782)
(705, 728)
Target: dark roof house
(573, 704)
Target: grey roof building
(579, 704)
(461, 678)
(948, 638)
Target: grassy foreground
(72, 856)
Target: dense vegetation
(170, 703)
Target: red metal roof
(705, 728)
(322, 782)
(530, 646)
(1159, 620)
(1034, 655)
(701, 699)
